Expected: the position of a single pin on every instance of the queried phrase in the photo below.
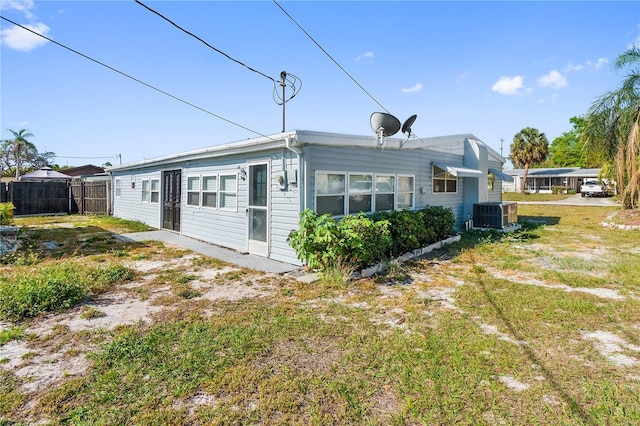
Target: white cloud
(553, 79)
(365, 55)
(570, 67)
(510, 86)
(598, 64)
(23, 6)
(20, 39)
(413, 89)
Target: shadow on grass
(60, 242)
(539, 220)
(574, 406)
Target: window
(405, 192)
(340, 193)
(360, 187)
(330, 193)
(491, 180)
(228, 192)
(210, 191)
(444, 181)
(193, 191)
(385, 192)
(145, 191)
(118, 187)
(155, 190)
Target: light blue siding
(130, 205)
(415, 162)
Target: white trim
(226, 192)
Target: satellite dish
(384, 124)
(406, 128)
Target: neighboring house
(248, 195)
(544, 179)
(88, 170)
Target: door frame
(254, 246)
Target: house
(248, 195)
(543, 180)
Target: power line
(204, 42)
(330, 57)
(135, 79)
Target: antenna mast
(283, 84)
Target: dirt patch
(58, 343)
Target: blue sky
(487, 68)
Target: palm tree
(613, 129)
(20, 145)
(529, 147)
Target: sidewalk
(251, 261)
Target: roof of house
(86, 170)
(298, 138)
(555, 172)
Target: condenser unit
(495, 215)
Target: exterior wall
(129, 204)
(404, 161)
(495, 188)
(224, 227)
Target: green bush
(355, 240)
(6, 213)
(360, 241)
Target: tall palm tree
(20, 145)
(529, 147)
(613, 129)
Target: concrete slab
(251, 261)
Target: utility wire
(204, 42)
(330, 57)
(135, 79)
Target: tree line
(607, 136)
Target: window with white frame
(228, 192)
(193, 191)
(360, 193)
(330, 193)
(155, 190)
(443, 181)
(145, 191)
(385, 193)
(210, 191)
(340, 193)
(118, 187)
(406, 189)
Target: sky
(486, 68)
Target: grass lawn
(534, 196)
(536, 327)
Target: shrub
(6, 213)
(359, 241)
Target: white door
(258, 209)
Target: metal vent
(494, 215)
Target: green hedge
(360, 241)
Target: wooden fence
(34, 198)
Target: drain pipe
(288, 143)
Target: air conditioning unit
(495, 215)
